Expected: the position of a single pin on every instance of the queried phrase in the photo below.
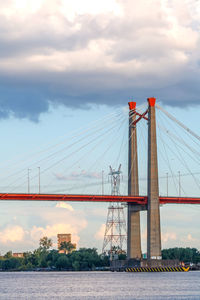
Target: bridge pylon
(153, 206)
(133, 237)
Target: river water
(99, 285)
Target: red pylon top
(132, 105)
(151, 101)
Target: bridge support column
(153, 214)
(134, 238)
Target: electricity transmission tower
(115, 236)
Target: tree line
(84, 259)
(191, 255)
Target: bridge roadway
(138, 200)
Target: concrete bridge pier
(134, 237)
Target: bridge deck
(139, 200)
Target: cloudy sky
(65, 64)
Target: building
(64, 237)
(18, 254)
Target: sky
(64, 66)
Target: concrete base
(153, 263)
(133, 263)
(122, 265)
(160, 263)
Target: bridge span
(139, 200)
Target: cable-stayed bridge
(96, 136)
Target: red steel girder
(179, 200)
(80, 198)
(139, 200)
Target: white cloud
(64, 205)
(190, 238)
(38, 221)
(12, 234)
(51, 231)
(75, 49)
(72, 8)
(67, 8)
(168, 236)
(59, 221)
(99, 235)
(152, 36)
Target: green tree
(67, 247)
(12, 264)
(6, 265)
(8, 254)
(82, 259)
(27, 267)
(122, 256)
(182, 254)
(76, 266)
(85, 259)
(52, 258)
(63, 262)
(43, 262)
(45, 243)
